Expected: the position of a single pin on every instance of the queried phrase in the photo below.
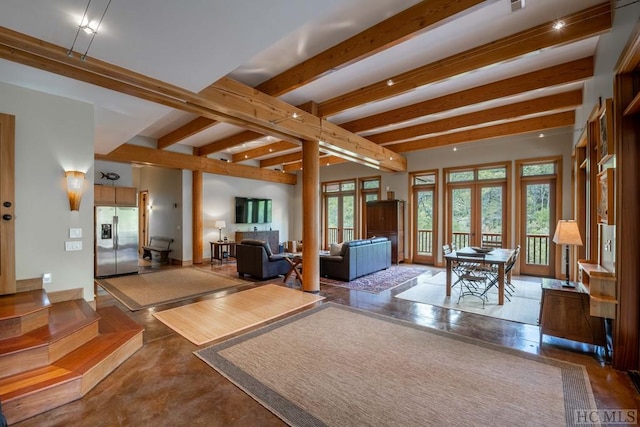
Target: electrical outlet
(73, 246)
(46, 278)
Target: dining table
(497, 257)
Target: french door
(477, 214)
(538, 221)
(425, 208)
(340, 212)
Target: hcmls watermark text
(605, 416)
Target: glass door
(425, 225)
(461, 217)
(340, 212)
(538, 209)
(492, 215)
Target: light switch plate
(75, 233)
(73, 246)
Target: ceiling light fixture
(455, 148)
(558, 25)
(89, 27)
(390, 82)
(541, 135)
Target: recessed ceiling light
(390, 82)
(558, 25)
(246, 156)
(455, 148)
(271, 150)
(295, 115)
(541, 135)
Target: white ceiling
(193, 43)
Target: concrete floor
(165, 384)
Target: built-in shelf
(633, 107)
(601, 285)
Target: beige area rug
(524, 306)
(214, 319)
(140, 291)
(338, 366)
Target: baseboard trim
(26, 285)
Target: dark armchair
(254, 257)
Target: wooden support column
(197, 217)
(311, 216)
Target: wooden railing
(425, 241)
(537, 249)
(347, 234)
(461, 240)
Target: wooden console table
(564, 313)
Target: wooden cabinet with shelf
(104, 195)
(385, 218)
(601, 285)
(564, 313)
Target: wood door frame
(7, 195)
(143, 219)
(533, 270)
(413, 217)
(558, 205)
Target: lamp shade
(221, 224)
(567, 233)
(75, 184)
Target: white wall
(219, 194)
(53, 134)
(165, 199)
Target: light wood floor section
(213, 319)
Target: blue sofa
(357, 258)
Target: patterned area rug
(379, 281)
(337, 366)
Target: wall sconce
(75, 184)
(220, 225)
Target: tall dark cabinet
(385, 218)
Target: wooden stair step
(34, 392)
(72, 376)
(23, 312)
(71, 324)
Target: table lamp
(220, 225)
(567, 233)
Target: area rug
(337, 366)
(146, 290)
(215, 319)
(524, 306)
(379, 281)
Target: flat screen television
(253, 211)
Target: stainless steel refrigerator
(116, 240)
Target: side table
(564, 313)
(222, 250)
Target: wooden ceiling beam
(517, 127)
(569, 72)
(281, 160)
(128, 153)
(386, 34)
(265, 150)
(557, 102)
(194, 127)
(230, 142)
(309, 127)
(580, 25)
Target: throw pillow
(335, 249)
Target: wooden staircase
(53, 354)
